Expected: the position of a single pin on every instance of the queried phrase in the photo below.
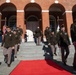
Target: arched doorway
(32, 19)
(8, 11)
(52, 23)
(56, 17)
(12, 21)
(74, 13)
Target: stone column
(20, 21)
(69, 21)
(45, 20)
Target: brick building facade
(32, 13)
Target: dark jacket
(20, 31)
(47, 33)
(53, 39)
(38, 33)
(16, 39)
(63, 39)
(73, 32)
(8, 40)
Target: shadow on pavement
(49, 56)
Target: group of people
(12, 38)
(61, 39)
(11, 43)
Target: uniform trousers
(53, 48)
(16, 46)
(38, 39)
(8, 52)
(74, 60)
(64, 53)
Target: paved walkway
(29, 51)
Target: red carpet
(39, 67)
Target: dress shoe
(8, 65)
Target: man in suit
(47, 33)
(38, 35)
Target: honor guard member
(73, 37)
(8, 45)
(46, 33)
(38, 35)
(53, 42)
(64, 44)
(16, 42)
(19, 32)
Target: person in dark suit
(64, 44)
(73, 37)
(47, 33)
(38, 36)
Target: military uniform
(8, 43)
(16, 41)
(63, 42)
(73, 36)
(53, 43)
(38, 36)
(19, 32)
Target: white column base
(23, 40)
(44, 39)
(70, 40)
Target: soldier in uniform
(19, 32)
(53, 42)
(46, 33)
(16, 41)
(38, 35)
(73, 36)
(8, 44)
(64, 44)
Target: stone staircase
(29, 51)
